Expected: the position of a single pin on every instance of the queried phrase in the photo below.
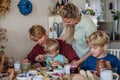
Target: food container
(24, 76)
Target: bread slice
(82, 72)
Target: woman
(38, 34)
(78, 28)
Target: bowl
(23, 76)
(32, 72)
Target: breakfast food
(88, 75)
(79, 77)
(100, 65)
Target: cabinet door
(79, 3)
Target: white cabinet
(79, 3)
(55, 26)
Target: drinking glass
(25, 67)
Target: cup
(73, 69)
(106, 75)
(17, 66)
(67, 69)
(115, 76)
(25, 67)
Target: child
(52, 50)
(97, 42)
(2, 60)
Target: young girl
(52, 50)
(2, 60)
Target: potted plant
(116, 17)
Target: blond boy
(97, 42)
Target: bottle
(17, 66)
(57, 6)
(62, 4)
(73, 69)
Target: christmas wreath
(4, 6)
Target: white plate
(23, 77)
(32, 72)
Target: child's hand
(12, 75)
(39, 57)
(108, 64)
(56, 63)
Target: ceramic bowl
(23, 77)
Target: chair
(115, 52)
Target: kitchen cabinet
(55, 25)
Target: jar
(17, 66)
(73, 69)
(100, 65)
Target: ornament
(4, 6)
(25, 7)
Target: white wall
(17, 25)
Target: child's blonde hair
(98, 38)
(52, 45)
(36, 31)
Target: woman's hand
(26, 60)
(39, 57)
(75, 62)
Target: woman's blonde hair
(69, 11)
(68, 35)
(36, 31)
(98, 38)
(52, 45)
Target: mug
(38, 77)
(67, 69)
(25, 67)
(108, 75)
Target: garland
(4, 6)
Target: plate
(32, 72)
